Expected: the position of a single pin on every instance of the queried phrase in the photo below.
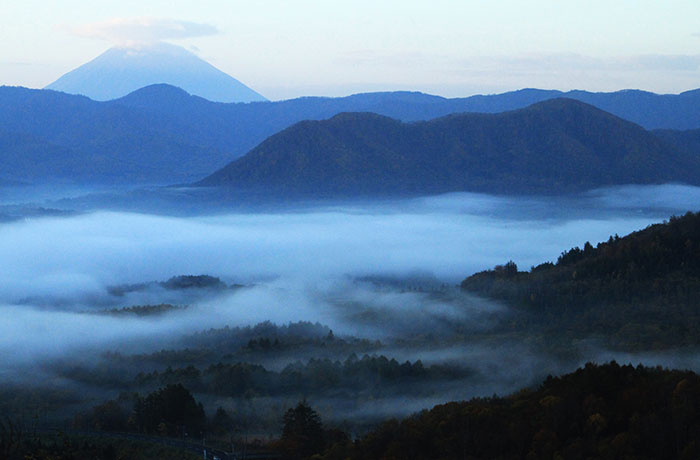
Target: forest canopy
(638, 291)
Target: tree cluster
(607, 412)
(168, 411)
(642, 290)
(369, 375)
(304, 435)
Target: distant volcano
(121, 70)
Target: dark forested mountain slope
(640, 291)
(688, 141)
(162, 134)
(560, 145)
(76, 139)
(607, 411)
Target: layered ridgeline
(161, 134)
(122, 70)
(559, 145)
(637, 292)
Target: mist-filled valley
(349, 231)
(354, 307)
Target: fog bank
(307, 262)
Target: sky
(292, 48)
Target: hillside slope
(637, 292)
(688, 141)
(560, 145)
(606, 411)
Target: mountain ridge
(559, 145)
(206, 135)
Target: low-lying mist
(385, 271)
(449, 236)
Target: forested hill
(161, 134)
(607, 411)
(560, 145)
(688, 141)
(642, 290)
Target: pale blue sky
(453, 48)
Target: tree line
(639, 291)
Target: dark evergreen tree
(169, 411)
(221, 423)
(302, 435)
